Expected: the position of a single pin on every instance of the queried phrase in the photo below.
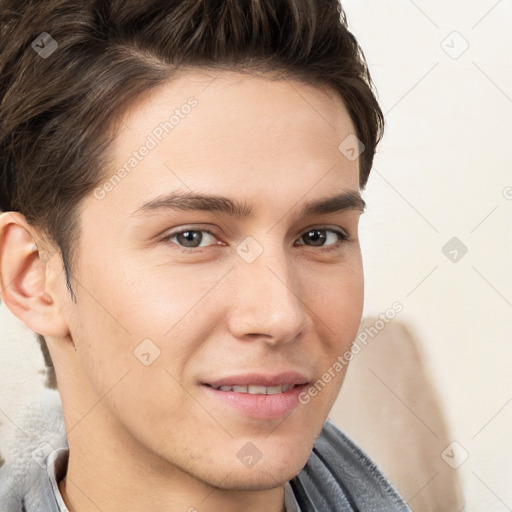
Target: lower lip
(263, 407)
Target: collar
(56, 469)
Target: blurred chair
(390, 408)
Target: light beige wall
(444, 170)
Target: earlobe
(23, 285)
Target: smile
(255, 389)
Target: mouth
(259, 382)
(259, 396)
(255, 389)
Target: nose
(269, 299)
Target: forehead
(233, 131)
(228, 92)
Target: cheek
(337, 309)
(133, 311)
(133, 368)
(337, 300)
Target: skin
(150, 437)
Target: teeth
(257, 390)
(254, 389)
(272, 390)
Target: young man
(181, 186)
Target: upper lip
(260, 379)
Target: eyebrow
(189, 201)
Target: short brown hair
(59, 114)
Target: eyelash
(333, 247)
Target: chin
(275, 468)
(257, 479)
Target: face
(175, 299)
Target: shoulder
(16, 489)
(32, 489)
(339, 476)
(25, 481)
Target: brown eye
(318, 237)
(189, 238)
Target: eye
(319, 236)
(190, 238)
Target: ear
(23, 277)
